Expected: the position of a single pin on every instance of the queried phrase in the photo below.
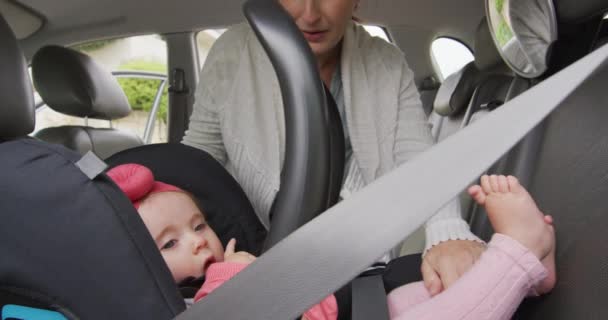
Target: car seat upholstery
(17, 107)
(77, 246)
(72, 83)
(567, 179)
(563, 164)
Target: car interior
(50, 182)
(72, 83)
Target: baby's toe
(485, 184)
(477, 194)
(514, 185)
(494, 183)
(503, 184)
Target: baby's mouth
(208, 262)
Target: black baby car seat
(60, 214)
(73, 247)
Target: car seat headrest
(17, 117)
(575, 11)
(225, 204)
(487, 57)
(455, 91)
(72, 83)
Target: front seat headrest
(487, 57)
(72, 83)
(17, 117)
(455, 91)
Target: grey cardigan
(238, 118)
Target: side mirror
(523, 31)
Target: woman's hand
(447, 261)
(238, 257)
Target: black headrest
(72, 83)
(456, 90)
(17, 116)
(487, 57)
(573, 11)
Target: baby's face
(181, 233)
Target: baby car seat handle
(305, 176)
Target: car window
(140, 65)
(449, 56)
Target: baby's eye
(199, 227)
(170, 244)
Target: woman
(238, 118)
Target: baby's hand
(238, 257)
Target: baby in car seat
(519, 260)
(189, 246)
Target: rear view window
(449, 56)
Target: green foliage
(141, 94)
(499, 5)
(503, 34)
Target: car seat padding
(226, 206)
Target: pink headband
(137, 182)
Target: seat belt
(179, 94)
(369, 296)
(330, 250)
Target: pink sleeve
(492, 289)
(324, 310)
(216, 275)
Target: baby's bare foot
(513, 212)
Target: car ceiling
(413, 24)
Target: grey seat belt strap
(369, 298)
(327, 252)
